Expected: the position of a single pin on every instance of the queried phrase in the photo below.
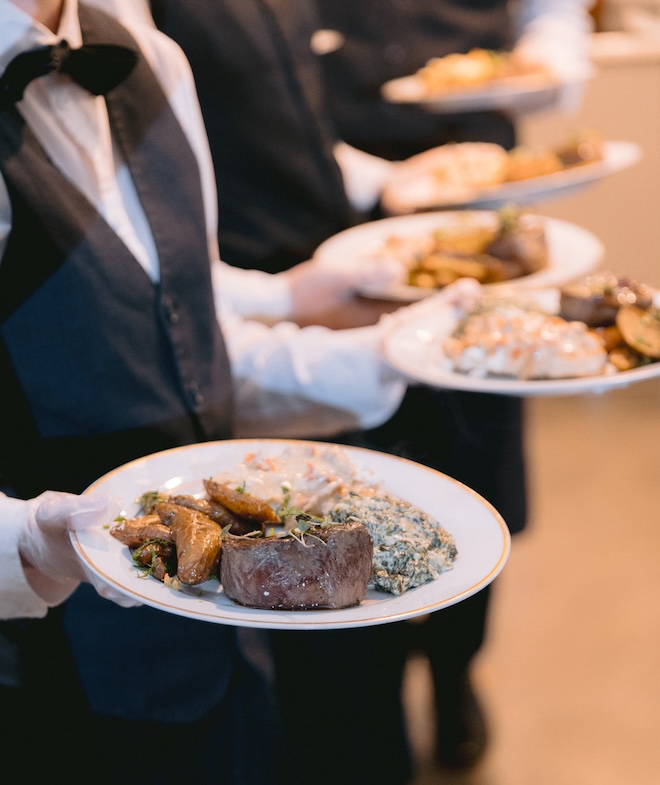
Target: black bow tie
(96, 67)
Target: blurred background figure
(388, 39)
(476, 438)
(280, 188)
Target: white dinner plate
(572, 250)
(414, 347)
(481, 537)
(515, 93)
(411, 187)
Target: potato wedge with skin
(640, 329)
(198, 540)
(136, 531)
(242, 504)
(221, 515)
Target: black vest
(386, 39)
(280, 190)
(98, 364)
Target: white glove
(462, 295)
(319, 286)
(52, 565)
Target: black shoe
(461, 738)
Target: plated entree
(599, 324)
(468, 171)
(474, 69)
(303, 529)
(490, 248)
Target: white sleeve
(557, 32)
(364, 175)
(251, 293)
(312, 381)
(17, 599)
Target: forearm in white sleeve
(252, 293)
(17, 598)
(290, 379)
(364, 175)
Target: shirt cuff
(365, 175)
(252, 294)
(17, 597)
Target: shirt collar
(19, 31)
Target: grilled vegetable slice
(640, 329)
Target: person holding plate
(385, 40)
(118, 338)
(255, 60)
(476, 438)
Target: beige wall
(622, 102)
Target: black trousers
(347, 683)
(48, 730)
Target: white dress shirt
(17, 598)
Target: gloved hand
(51, 563)
(317, 286)
(462, 295)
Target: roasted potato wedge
(220, 514)
(159, 557)
(136, 531)
(244, 505)
(198, 540)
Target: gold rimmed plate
(481, 536)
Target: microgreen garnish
(286, 494)
(301, 515)
(150, 547)
(147, 500)
(305, 524)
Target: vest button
(169, 308)
(195, 394)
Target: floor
(570, 673)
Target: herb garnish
(147, 501)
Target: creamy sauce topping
(311, 478)
(510, 339)
(410, 547)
